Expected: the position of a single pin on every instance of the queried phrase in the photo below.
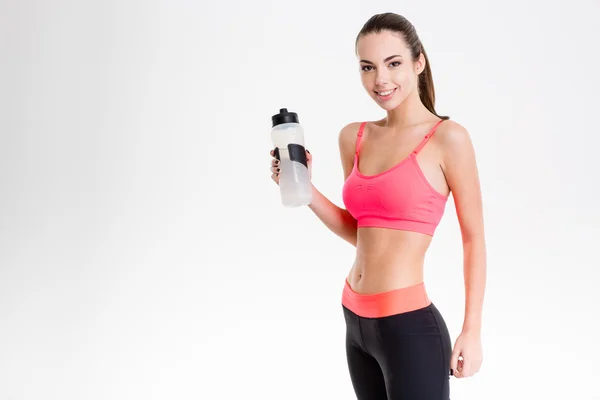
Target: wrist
(471, 328)
(469, 331)
(314, 194)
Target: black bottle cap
(284, 117)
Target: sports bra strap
(359, 136)
(427, 137)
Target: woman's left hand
(467, 355)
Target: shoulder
(348, 134)
(456, 146)
(350, 130)
(453, 138)
(451, 132)
(347, 145)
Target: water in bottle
(287, 136)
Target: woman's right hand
(275, 166)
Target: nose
(381, 78)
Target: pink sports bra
(397, 198)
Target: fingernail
(451, 371)
(307, 151)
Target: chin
(388, 105)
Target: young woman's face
(387, 70)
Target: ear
(420, 64)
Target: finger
(274, 162)
(459, 371)
(275, 169)
(454, 361)
(466, 368)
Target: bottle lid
(284, 117)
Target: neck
(410, 112)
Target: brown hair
(398, 24)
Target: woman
(398, 174)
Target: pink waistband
(386, 303)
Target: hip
(416, 342)
(392, 318)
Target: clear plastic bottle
(287, 136)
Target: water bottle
(287, 136)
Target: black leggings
(399, 357)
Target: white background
(144, 253)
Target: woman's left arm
(460, 168)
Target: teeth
(385, 93)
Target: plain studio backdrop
(145, 253)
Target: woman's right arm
(338, 219)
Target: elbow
(473, 237)
(351, 230)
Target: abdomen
(387, 259)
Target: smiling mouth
(386, 93)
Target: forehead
(377, 46)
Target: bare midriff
(387, 259)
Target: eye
(364, 68)
(395, 64)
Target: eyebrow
(386, 60)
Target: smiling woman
(396, 33)
(398, 174)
